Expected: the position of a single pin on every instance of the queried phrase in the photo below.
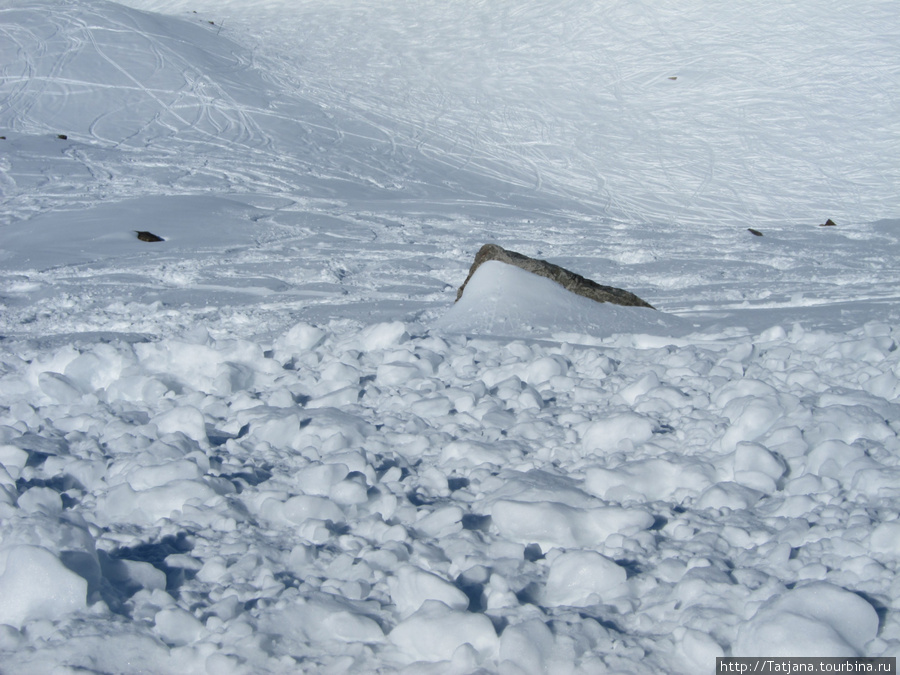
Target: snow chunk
(751, 417)
(820, 619)
(441, 522)
(605, 435)
(144, 478)
(59, 388)
(728, 495)
(551, 524)
(650, 479)
(831, 458)
(122, 503)
(395, 374)
(349, 627)
(13, 459)
(695, 649)
(301, 338)
(318, 479)
(436, 631)
(473, 453)
(304, 507)
(757, 458)
(41, 500)
(36, 585)
(132, 573)
(635, 390)
(528, 645)
(582, 578)
(885, 539)
(411, 587)
(185, 419)
(324, 620)
(543, 369)
(178, 627)
(382, 336)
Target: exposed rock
(828, 223)
(755, 233)
(62, 137)
(571, 281)
(148, 236)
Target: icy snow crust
(272, 443)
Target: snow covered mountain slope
(272, 443)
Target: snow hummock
(272, 443)
(503, 300)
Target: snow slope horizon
(565, 90)
(330, 173)
(271, 443)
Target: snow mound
(820, 619)
(503, 300)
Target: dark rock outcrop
(569, 280)
(148, 236)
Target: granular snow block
(435, 632)
(582, 578)
(36, 585)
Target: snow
(583, 578)
(36, 585)
(503, 300)
(274, 443)
(816, 619)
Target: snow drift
(504, 300)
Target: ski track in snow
(266, 445)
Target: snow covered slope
(272, 443)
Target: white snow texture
(272, 442)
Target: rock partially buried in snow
(569, 280)
(143, 235)
(503, 300)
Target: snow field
(246, 503)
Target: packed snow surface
(272, 442)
